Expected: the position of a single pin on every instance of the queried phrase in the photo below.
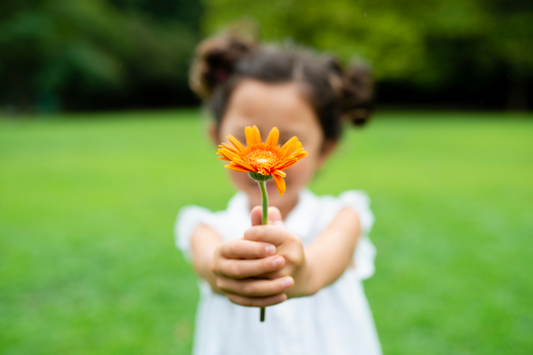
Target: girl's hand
(236, 263)
(288, 245)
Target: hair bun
(214, 62)
(355, 88)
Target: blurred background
(102, 142)
(61, 55)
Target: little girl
(308, 264)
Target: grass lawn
(87, 206)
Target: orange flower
(267, 159)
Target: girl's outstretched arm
(332, 252)
(204, 242)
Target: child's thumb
(274, 216)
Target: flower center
(262, 159)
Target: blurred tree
(94, 54)
(435, 45)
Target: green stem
(264, 195)
(264, 221)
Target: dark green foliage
(435, 45)
(95, 53)
(113, 54)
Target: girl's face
(274, 105)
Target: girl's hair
(336, 94)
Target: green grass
(87, 206)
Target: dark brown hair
(337, 95)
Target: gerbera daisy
(263, 161)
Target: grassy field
(87, 206)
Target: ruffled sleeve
(365, 252)
(189, 218)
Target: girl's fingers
(274, 216)
(255, 288)
(286, 271)
(256, 301)
(268, 234)
(245, 249)
(241, 269)
(256, 215)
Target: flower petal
(257, 134)
(253, 137)
(289, 147)
(237, 168)
(236, 143)
(280, 184)
(287, 163)
(263, 171)
(297, 146)
(243, 163)
(228, 155)
(228, 147)
(301, 155)
(297, 151)
(273, 137)
(279, 173)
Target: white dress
(335, 321)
